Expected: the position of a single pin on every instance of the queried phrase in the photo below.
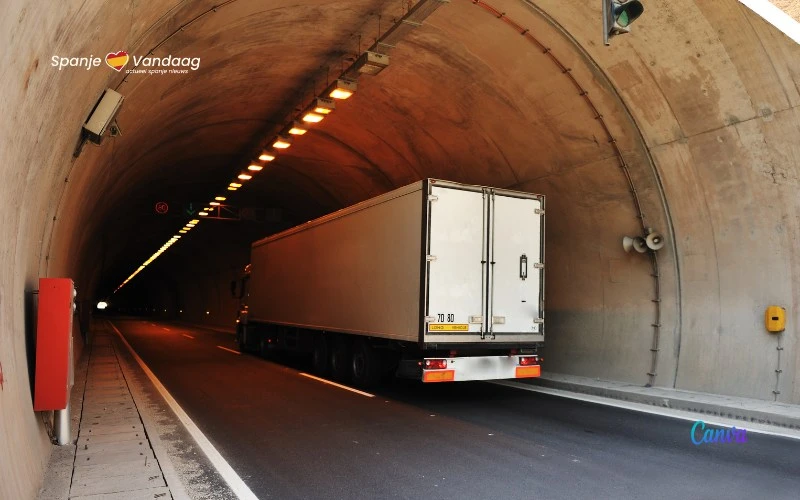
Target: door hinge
(539, 265)
(430, 319)
(498, 320)
(430, 258)
(432, 198)
(538, 321)
(539, 211)
(476, 320)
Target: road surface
(289, 436)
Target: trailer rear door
(455, 267)
(484, 275)
(516, 257)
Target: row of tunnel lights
(321, 107)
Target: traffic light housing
(618, 15)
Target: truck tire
(264, 348)
(340, 359)
(365, 365)
(241, 338)
(320, 356)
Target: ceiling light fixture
(341, 89)
(282, 142)
(369, 63)
(214, 203)
(266, 156)
(220, 198)
(297, 128)
(318, 110)
(255, 167)
(245, 177)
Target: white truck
(436, 281)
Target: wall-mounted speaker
(655, 241)
(637, 243)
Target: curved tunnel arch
(706, 120)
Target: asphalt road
(289, 436)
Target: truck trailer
(436, 281)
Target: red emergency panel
(53, 344)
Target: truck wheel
(340, 360)
(320, 357)
(241, 339)
(365, 366)
(263, 347)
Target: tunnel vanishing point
(690, 125)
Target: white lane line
(226, 349)
(187, 336)
(654, 410)
(225, 470)
(340, 386)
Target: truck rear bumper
(461, 369)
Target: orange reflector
(529, 371)
(439, 376)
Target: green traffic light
(627, 13)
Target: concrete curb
(678, 400)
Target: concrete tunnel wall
(705, 115)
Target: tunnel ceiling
(465, 98)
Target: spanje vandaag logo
(141, 64)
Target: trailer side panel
(339, 274)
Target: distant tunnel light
(324, 106)
(312, 117)
(202, 214)
(245, 177)
(230, 188)
(282, 142)
(319, 108)
(214, 203)
(183, 231)
(220, 198)
(266, 156)
(297, 128)
(235, 185)
(102, 305)
(193, 221)
(342, 89)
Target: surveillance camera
(103, 116)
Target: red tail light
(435, 364)
(528, 360)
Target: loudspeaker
(655, 241)
(638, 243)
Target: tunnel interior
(506, 115)
(691, 134)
